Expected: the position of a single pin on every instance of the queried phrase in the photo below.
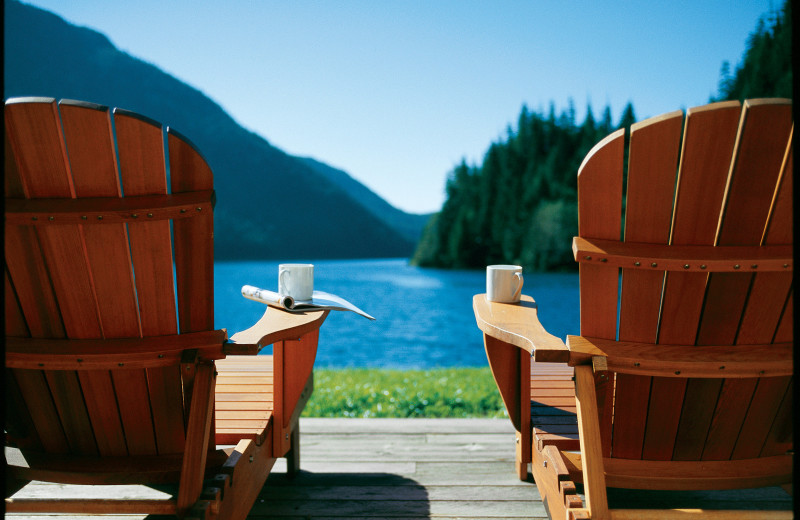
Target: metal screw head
(51, 219)
(199, 208)
(251, 458)
(135, 215)
(636, 364)
(686, 266)
(99, 217)
(37, 218)
(754, 266)
(183, 210)
(149, 215)
(84, 217)
(703, 266)
(736, 266)
(604, 260)
(637, 264)
(587, 257)
(677, 372)
(654, 264)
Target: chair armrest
(518, 324)
(275, 325)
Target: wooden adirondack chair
(110, 357)
(683, 371)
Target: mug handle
(518, 292)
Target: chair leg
(522, 463)
(293, 455)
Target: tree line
(520, 205)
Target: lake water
(424, 317)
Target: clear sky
(397, 93)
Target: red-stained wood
(35, 135)
(600, 216)
(197, 438)
(106, 284)
(760, 153)
(19, 426)
(293, 362)
(14, 318)
(652, 166)
(90, 142)
(780, 436)
(140, 146)
(708, 142)
(510, 366)
(761, 321)
(193, 240)
(194, 251)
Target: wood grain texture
(90, 143)
(708, 143)
(194, 239)
(759, 157)
(519, 325)
(652, 165)
(140, 146)
(591, 447)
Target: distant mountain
(408, 224)
(269, 204)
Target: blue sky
(396, 93)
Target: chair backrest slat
(599, 216)
(37, 141)
(652, 166)
(111, 280)
(89, 140)
(709, 179)
(194, 246)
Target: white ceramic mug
(296, 281)
(504, 283)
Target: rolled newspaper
(268, 297)
(319, 301)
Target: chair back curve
(710, 193)
(108, 239)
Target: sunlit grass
(441, 392)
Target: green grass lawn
(441, 392)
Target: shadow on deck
(430, 468)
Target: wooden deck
(412, 468)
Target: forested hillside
(519, 206)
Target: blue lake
(424, 317)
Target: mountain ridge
(259, 187)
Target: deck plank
(411, 468)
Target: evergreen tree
(766, 69)
(520, 205)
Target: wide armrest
(275, 325)
(518, 324)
